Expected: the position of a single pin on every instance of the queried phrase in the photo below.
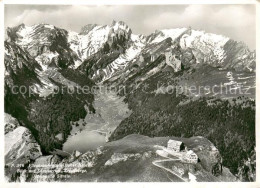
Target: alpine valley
(114, 134)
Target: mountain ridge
(83, 47)
(46, 58)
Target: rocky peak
(22, 32)
(152, 36)
(11, 32)
(119, 24)
(43, 42)
(87, 28)
(75, 154)
(160, 35)
(11, 123)
(20, 148)
(120, 28)
(239, 57)
(17, 61)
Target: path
(157, 163)
(170, 158)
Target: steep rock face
(20, 143)
(87, 44)
(20, 67)
(11, 123)
(87, 28)
(173, 60)
(160, 35)
(118, 31)
(212, 49)
(20, 71)
(148, 62)
(239, 57)
(189, 49)
(29, 84)
(207, 47)
(96, 63)
(94, 38)
(47, 43)
(118, 47)
(135, 45)
(20, 149)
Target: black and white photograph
(129, 93)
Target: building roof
(190, 152)
(176, 142)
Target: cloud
(234, 21)
(71, 17)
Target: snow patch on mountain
(24, 34)
(13, 137)
(93, 39)
(49, 26)
(86, 45)
(206, 47)
(45, 59)
(11, 123)
(47, 87)
(159, 36)
(230, 78)
(21, 142)
(137, 44)
(207, 43)
(120, 26)
(20, 149)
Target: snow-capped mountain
(93, 37)
(136, 44)
(45, 58)
(109, 52)
(206, 48)
(50, 45)
(160, 35)
(46, 43)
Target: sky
(234, 21)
